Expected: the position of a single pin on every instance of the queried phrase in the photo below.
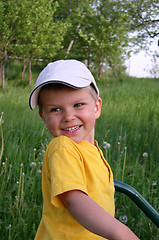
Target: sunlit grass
(129, 126)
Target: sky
(139, 65)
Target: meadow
(127, 132)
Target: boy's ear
(98, 107)
(43, 118)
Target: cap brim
(33, 99)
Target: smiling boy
(77, 181)
(70, 112)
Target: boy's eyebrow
(80, 99)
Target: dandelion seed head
(145, 154)
(154, 183)
(123, 219)
(34, 149)
(9, 226)
(21, 165)
(120, 137)
(3, 163)
(39, 171)
(106, 145)
(33, 164)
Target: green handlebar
(139, 200)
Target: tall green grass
(129, 123)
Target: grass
(129, 123)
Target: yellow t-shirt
(69, 166)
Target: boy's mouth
(71, 129)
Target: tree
(73, 13)
(97, 30)
(38, 35)
(104, 31)
(144, 19)
(9, 10)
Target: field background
(129, 123)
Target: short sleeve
(66, 172)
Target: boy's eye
(78, 105)
(54, 109)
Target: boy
(77, 181)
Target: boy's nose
(68, 116)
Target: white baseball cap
(72, 73)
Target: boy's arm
(94, 218)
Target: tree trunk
(3, 76)
(0, 72)
(7, 65)
(30, 71)
(70, 46)
(72, 41)
(116, 73)
(100, 71)
(3, 68)
(24, 67)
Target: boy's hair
(57, 86)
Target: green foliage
(129, 123)
(8, 18)
(98, 31)
(144, 20)
(41, 36)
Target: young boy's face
(70, 112)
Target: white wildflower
(154, 183)
(145, 154)
(33, 164)
(9, 226)
(123, 219)
(39, 171)
(106, 145)
(120, 137)
(21, 165)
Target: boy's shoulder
(65, 142)
(61, 142)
